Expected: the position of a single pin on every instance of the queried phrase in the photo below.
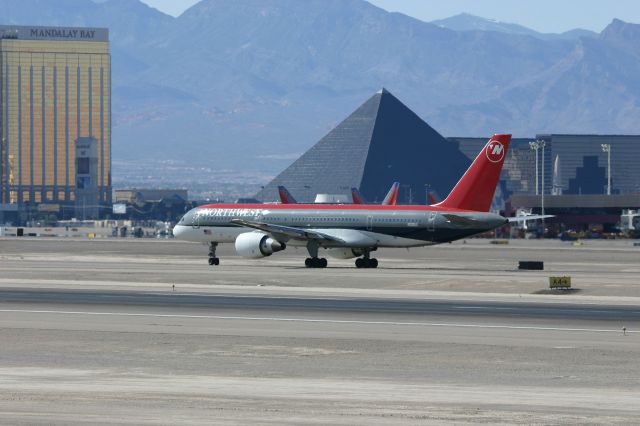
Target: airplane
(389, 200)
(432, 198)
(346, 231)
(285, 196)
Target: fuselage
(369, 226)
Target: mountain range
(251, 84)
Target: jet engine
(344, 253)
(254, 245)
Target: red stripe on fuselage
(345, 207)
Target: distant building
(518, 172)
(575, 177)
(381, 142)
(152, 204)
(87, 192)
(582, 164)
(55, 89)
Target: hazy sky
(541, 15)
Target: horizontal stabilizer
(527, 218)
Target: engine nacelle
(254, 245)
(344, 253)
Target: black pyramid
(381, 142)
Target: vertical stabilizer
(285, 196)
(355, 195)
(475, 190)
(392, 196)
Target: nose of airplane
(178, 230)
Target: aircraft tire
(216, 261)
(322, 263)
(360, 263)
(308, 262)
(211, 261)
(373, 263)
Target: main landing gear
(366, 261)
(314, 261)
(213, 260)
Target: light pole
(534, 145)
(542, 144)
(410, 193)
(606, 147)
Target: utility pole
(606, 147)
(410, 192)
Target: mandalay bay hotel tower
(55, 118)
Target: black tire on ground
(216, 261)
(211, 261)
(359, 263)
(323, 262)
(374, 263)
(307, 262)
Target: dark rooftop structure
(381, 142)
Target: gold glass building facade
(55, 87)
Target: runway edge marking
(312, 320)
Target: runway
(119, 346)
(245, 303)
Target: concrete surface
(94, 332)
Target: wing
(288, 232)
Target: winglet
(475, 190)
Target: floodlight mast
(606, 147)
(536, 145)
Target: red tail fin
(475, 189)
(392, 195)
(285, 196)
(355, 195)
(432, 198)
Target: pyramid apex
(383, 91)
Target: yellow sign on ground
(559, 282)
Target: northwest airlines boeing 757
(353, 230)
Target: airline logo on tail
(474, 191)
(495, 151)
